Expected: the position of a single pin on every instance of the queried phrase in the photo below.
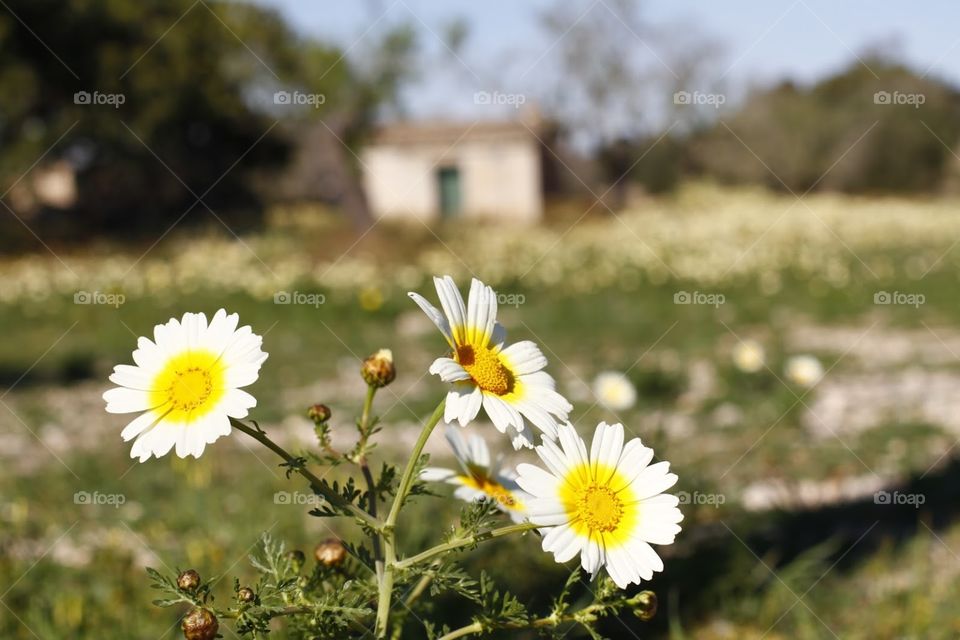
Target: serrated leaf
(167, 602)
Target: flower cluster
(587, 505)
(705, 235)
(605, 503)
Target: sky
(761, 41)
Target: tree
(169, 112)
(147, 102)
(875, 127)
(613, 83)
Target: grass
(73, 570)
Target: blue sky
(761, 41)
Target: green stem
(476, 627)
(364, 428)
(389, 536)
(466, 541)
(406, 480)
(365, 416)
(537, 623)
(315, 482)
(418, 590)
(354, 624)
(289, 611)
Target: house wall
(499, 178)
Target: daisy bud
(319, 413)
(645, 605)
(246, 594)
(296, 559)
(189, 580)
(200, 624)
(378, 370)
(330, 552)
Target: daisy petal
(448, 370)
(132, 377)
(124, 400)
(536, 481)
(524, 357)
(481, 313)
(436, 474)
(470, 407)
(452, 304)
(140, 424)
(435, 316)
(563, 542)
(606, 449)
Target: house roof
(449, 132)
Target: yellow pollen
(499, 493)
(485, 368)
(599, 508)
(494, 490)
(188, 386)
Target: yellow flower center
(500, 493)
(188, 386)
(486, 369)
(494, 490)
(600, 508)
(600, 502)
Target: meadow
(813, 510)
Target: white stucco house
(434, 170)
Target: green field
(796, 469)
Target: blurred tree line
(124, 117)
(876, 127)
(127, 118)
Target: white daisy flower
(186, 382)
(509, 382)
(614, 391)
(479, 477)
(608, 506)
(805, 370)
(748, 356)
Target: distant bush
(875, 127)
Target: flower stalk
(389, 535)
(588, 613)
(466, 541)
(316, 484)
(365, 427)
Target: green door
(448, 181)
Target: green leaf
(167, 602)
